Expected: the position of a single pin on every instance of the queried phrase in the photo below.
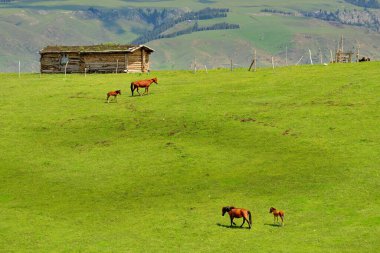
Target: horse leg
(244, 222)
(108, 100)
(232, 220)
(282, 220)
(137, 89)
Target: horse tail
(250, 217)
(132, 88)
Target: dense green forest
(363, 18)
(204, 14)
(365, 3)
(160, 20)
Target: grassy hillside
(151, 173)
(28, 26)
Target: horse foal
(276, 214)
(114, 94)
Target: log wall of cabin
(51, 63)
(134, 61)
(103, 62)
(138, 61)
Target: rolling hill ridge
(184, 32)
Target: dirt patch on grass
(103, 143)
(173, 132)
(83, 95)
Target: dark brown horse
(238, 213)
(276, 214)
(114, 94)
(363, 59)
(142, 84)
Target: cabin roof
(102, 48)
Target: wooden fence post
(311, 60)
(253, 63)
(66, 67)
(286, 56)
(299, 60)
(357, 51)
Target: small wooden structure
(95, 59)
(341, 56)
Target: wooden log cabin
(95, 59)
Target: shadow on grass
(273, 225)
(233, 227)
(139, 96)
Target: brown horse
(114, 94)
(277, 213)
(142, 84)
(238, 213)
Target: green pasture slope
(151, 173)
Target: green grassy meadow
(151, 173)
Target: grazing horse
(277, 213)
(142, 84)
(238, 213)
(114, 94)
(363, 59)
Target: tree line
(207, 13)
(365, 3)
(363, 18)
(160, 19)
(286, 13)
(197, 28)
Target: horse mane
(228, 208)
